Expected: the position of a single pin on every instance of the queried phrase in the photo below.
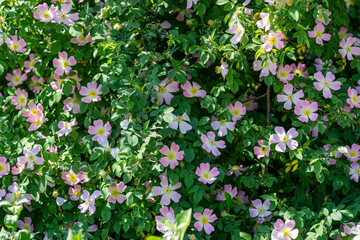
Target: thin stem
(268, 106)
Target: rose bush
(223, 119)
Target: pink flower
(260, 210)
(30, 65)
(45, 14)
(20, 99)
(168, 214)
(249, 103)
(353, 153)
(190, 3)
(15, 45)
(100, 131)
(204, 220)
(17, 78)
(72, 103)
(222, 126)
(325, 84)
(227, 189)
(261, 151)
(289, 97)
(164, 91)
(306, 110)
(30, 157)
(33, 109)
(241, 198)
(210, 144)
(64, 17)
(320, 17)
(354, 98)
(65, 127)
(16, 195)
(35, 120)
(236, 169)
(181, 122)
(167, 191)
(4, 167)
(81, 40)
(238, 30)
(2, 193)
(89, 203)
(284, 231)
(205, 174)
(192, 91)
(334, 154)
(355, 171)
(282, 139)
(320, 65)
(269, 66)
(319, 34)
(26, 225)
(284, 73)
(264, 22)
(63, 64)
(172, 155)
(91, 92)
(115, 193)
(347, 49)
(70, 177)
(272, 40)
(37, 84)
(238, 111)
(299, 70)
(75, 192)
(222, 69)
(343, 33)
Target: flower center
(15, 46)
(286, 232)
(272, 40)
(162, 89)
(92, 93)
(26, 227)
(357, 171)
(63, 15)
(16, 79)
(17, 194)
(87, 200)
(236, 112)
(37, 121)
(77, 193)
(355, 98)
(263, 150)
(217, 69)
(326, 83)
(115, 192)
(235, 167)
(321, 17)
(284, 138)
(352, 154)
(21, 100)
(179, 118)
(283, 74)
(66, 124)
(100, 131)
(222, 122)
(298, 72)
(46, 14)
(167, 190)
(212, 142)
(291, 97)
(72, 177)
(65, 64)
(204, 220)
(170, 155)
(318, 34)
(306, 112)
(82, 38)
(31, 157)
(74, 100)
(193, 90)
(34, 111)
(238, 30)
(206, 175)
(261, 210)
(2, 168)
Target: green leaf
(222, 2)
(189, 154)
(295, 15)
(1, 69)
(106, 215)
(245, 236)
(189, 180)
(23, 235)
(11, 221)
(336, 216)
(83, 107)
(183, 220)
(56, 47)
(153, 238)
(198, 196)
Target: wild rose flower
(2, 193)
(334, 154)
(75, 192)
(241, 198)
(181, 122)
(30, 157)
(105, 147)
(190, 3)
(343, 33)
(37, 84)
(15, 45)
(16, 78)
(354, 171)
(261, 151)
(82, 40)
(299, 70)
(65, 127)
(166, 25)
(320, 64)
(4, 167)
(64, 17)
(115, 191)
(320, 17)
(91, 93)
(210, 144)
(70, 177)
(273, 39)
(222, 126)
(193, 90)
(353, 153)
(306, 110)
(238, 30)
(237, 169)
(89, 203)
(264, 22)
(35, 120)
(20, 99)
(326, 83)
(249, 103)
(164, 91)
(63, 64)
(172, 155)
(204, 221)
(282, 139)
(222, 69)
(72, 103)
(167, 191)
(354, 98)
(169, 215)
(100, 131)
(289, 97)
(124, 124)
(30, 65)
(238, 111)
(227, 189)
(16, 195)
(284, 73)
(347, 49)
(269, 66)
(284, 231)
(319, 34)
(26, 224)
(260, 209)
(206, 175)
(45, 14)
